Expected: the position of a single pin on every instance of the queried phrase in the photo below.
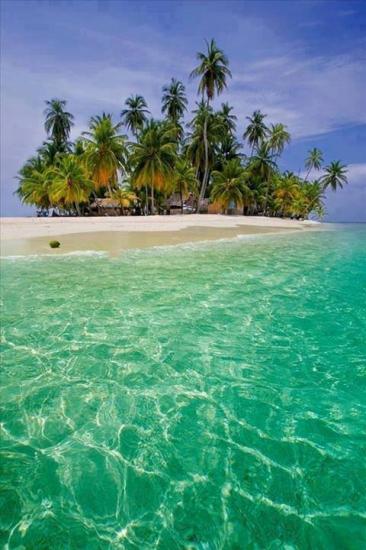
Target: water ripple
(205, 396)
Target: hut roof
(105, 203)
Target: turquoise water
(196, 397)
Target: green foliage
(54, 244)
(106, 151)
(70, 185)
(230, 185)
(185, 179)
(124, 196)
(213, 71)
(278, 137)
(313, 161)
(174, 100)
(58, 122)
(135, 114)
(256, 130)
(335, 176)
(153, 158)
(228, 119)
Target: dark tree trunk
(181, 198)
(152, 200)
(146, 201)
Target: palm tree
(228, 148)
(335, 176)
(79, 147)
(256, 130)
(177, 130)
(125, 197)
(228, 119)
(263, 166)
(213, 71)
(314, 160)
(134, 117)
(278, 137)
(106, 151)
(286, 191)
(34, 182)
(314, 195)
(70, 183)
(153, 158)
(308, 199)
(58, 122)
(174, 101)
(204, 118)
(185, 180)
(229, 185)
(50, 151)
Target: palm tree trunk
(152, 200)
(181, 198)
(146, 200)
(77, 209)
(205, 174)
(307, 175)
(196, 198)
(266, 201)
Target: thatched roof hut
(105, 203)
(174, 201)
(106, 207)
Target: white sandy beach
(29, 236)
(25, 228)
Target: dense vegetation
(202, 158)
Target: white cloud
(357, 174)
(311, 95)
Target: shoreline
(27, 236)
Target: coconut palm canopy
(199, 155)
(135, 114)
(335, 176)
(174, 100)
(313, 161)
(106, 151)
(153, 158)
(256, 131)
(212, 71)
(58, 121)
(229, 185)
(70, 185)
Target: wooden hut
(174, 203)
(105, 207)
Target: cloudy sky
(302, 62)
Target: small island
(172, 165)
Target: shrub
(54, 244)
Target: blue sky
(302, 63)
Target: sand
(113, 234)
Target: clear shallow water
(204, 397)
